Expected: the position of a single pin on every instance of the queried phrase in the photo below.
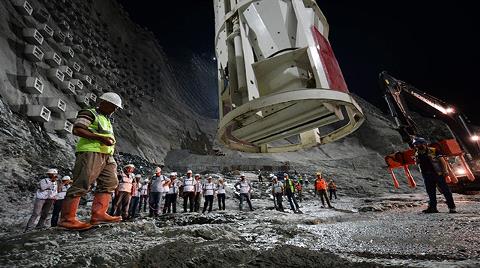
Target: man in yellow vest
(94, 162)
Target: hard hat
(189, 171)
(129, 165)
(158, 169)
(318, 173)
(52, 171)
(209, 177)
(285, 174)
(197, 175)
(147, 180)
(173, 174)
(274, 177)
(66, 178)
(113, 98)
(419, 141)
(138, 176)
(242, 175)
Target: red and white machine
(280, 86)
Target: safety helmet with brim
(112, 98)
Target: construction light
(475, 138)
(460, 171)
(450, 110)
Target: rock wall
(99, 49)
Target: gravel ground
(391, 232)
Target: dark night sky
(434, 46)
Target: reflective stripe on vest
(101, 126)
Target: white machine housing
(280, 86)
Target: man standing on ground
(221, 194)
(44, 199)
(198, 192)
(433, 172)
(62, 191)
(188, 191)
(208, 191)
(172, 193)
(94, 162)
(245, 189)
(156, 192)
(289, 187)
(132, 213)
(121, 202)
(277, 192)
(321, 188)
(144, 196)
(332, 189)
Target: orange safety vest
(320, 184)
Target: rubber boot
(68, 219)
(99, 210)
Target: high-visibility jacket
(289, 186)
(429, 162)
(320, 184)
(101, 125)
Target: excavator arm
(398, 94)
(401, 97)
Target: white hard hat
(52, 171)
(242, 175)
(158, 169)
(66, 178)
(173, 174)
(138, 176)
(197, 175)
(129, 165)
(274, 177)
(209, 177)
(113, 98)
(189, 171)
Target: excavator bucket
(280, 85)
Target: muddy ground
(359, 232)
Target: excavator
(460, 154)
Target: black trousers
(245, 197)
(121, 204)
(57, 207)
(144, 202)
(170, 203)
(188, 196)
(133, 206)
(208, 202)
(278, 200)
(221, 201)
(323, 194)
(293, 201)
(198, 199)
(431, 182)
(154, 202)
(333, 193)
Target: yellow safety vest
(101, 125)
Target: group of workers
(293, 189)
(95, 164)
